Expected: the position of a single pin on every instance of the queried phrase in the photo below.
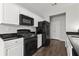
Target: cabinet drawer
(13, 42)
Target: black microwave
(26, 20)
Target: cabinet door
(11, 13)
(39, 40)
(1, 12)
(15, 51)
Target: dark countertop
(72, 33)
(9, 36)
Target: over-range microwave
(26, 20)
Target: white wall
(72, 18)
(72, 15)
(6, 28)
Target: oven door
(30, 46)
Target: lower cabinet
(39, 40)
(14, 47)
(14, 51)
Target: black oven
(30, 46)
(30, 41)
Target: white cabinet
(39, 40)
(1, 12)
(15, 51)
(10, 13)
(14, 47)
(2, 51)
(23, 11)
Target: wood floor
(56, 48)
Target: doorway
(58, 27)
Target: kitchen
(15, 23)
(23, 33)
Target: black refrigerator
(44, 29)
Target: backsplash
(7, 28)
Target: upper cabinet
(10, 14)
(1, 12)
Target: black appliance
(26, 20)
(30, 46)
(30, 41)
(23, 32)
(44, 28)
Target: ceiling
(42, 9)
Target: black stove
(30, 41)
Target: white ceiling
(42, 8)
